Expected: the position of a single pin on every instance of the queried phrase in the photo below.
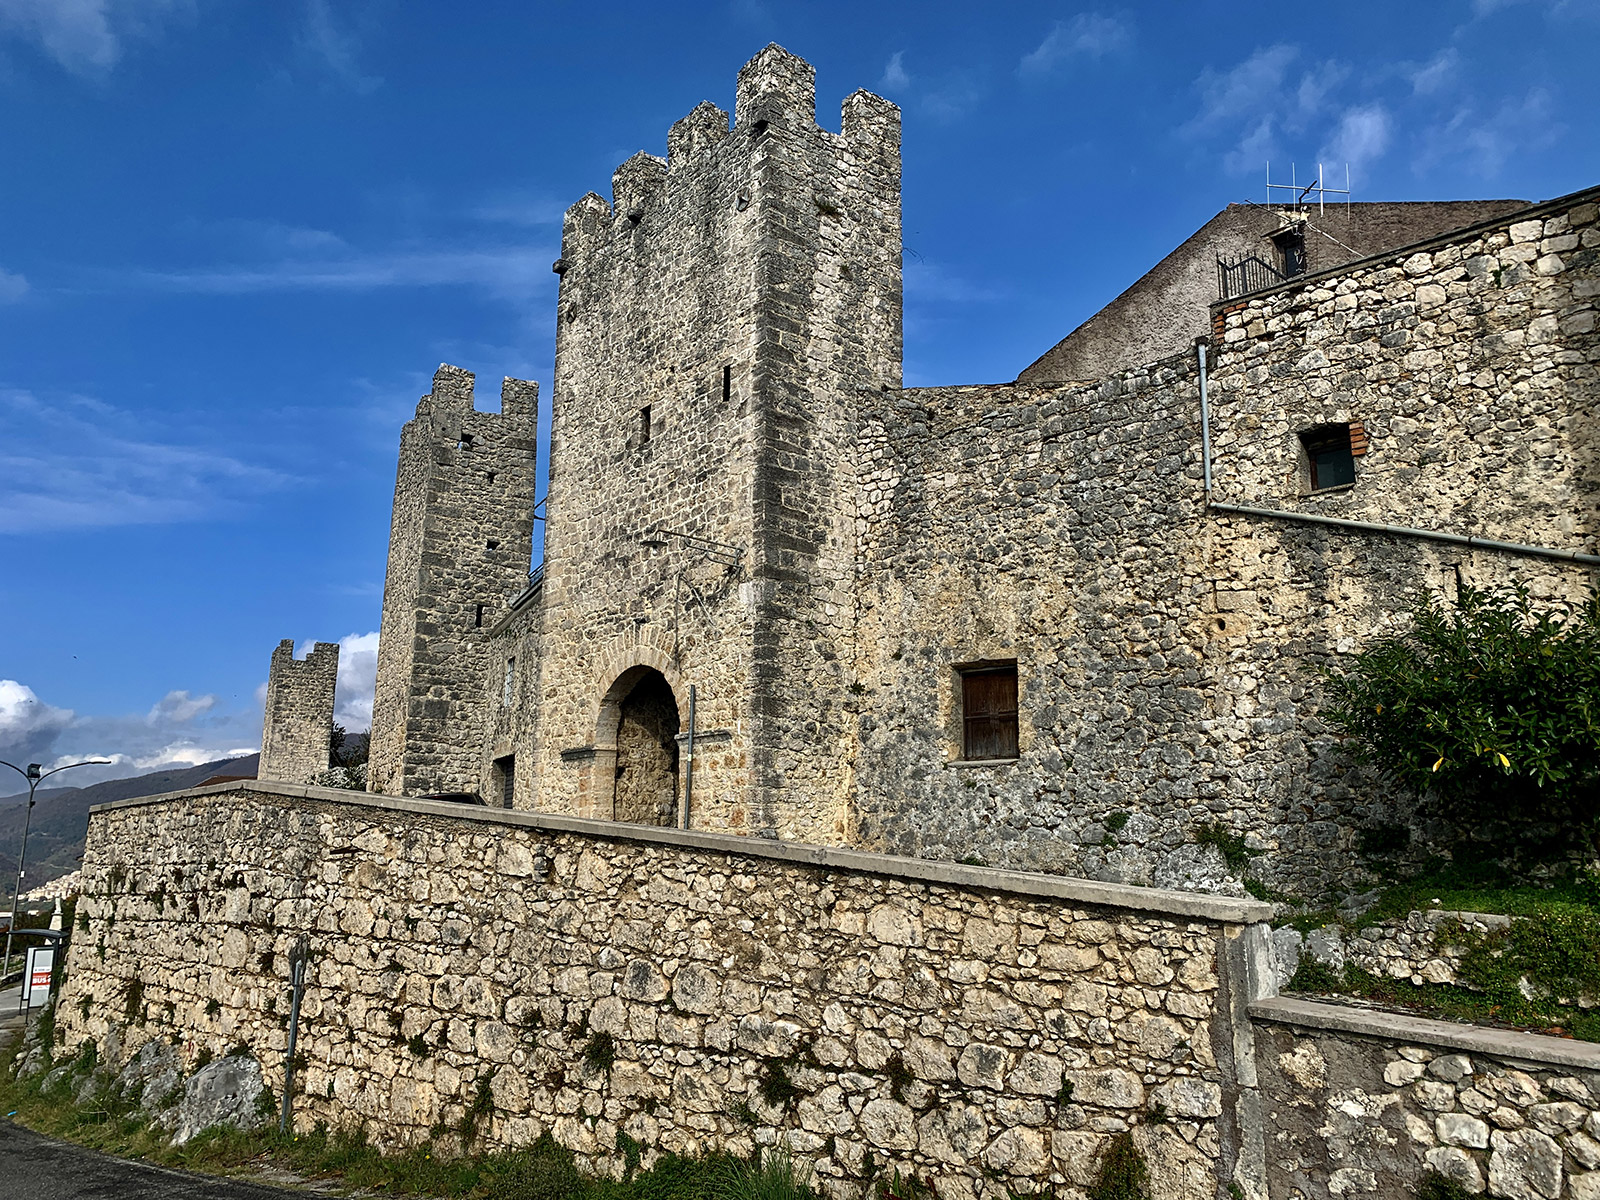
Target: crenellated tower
(297, 724)
(459, 550)
(717, 321)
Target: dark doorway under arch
(647, 753)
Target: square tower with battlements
(717, 319)
(459, 548)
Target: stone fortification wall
(459, 549)
(512, 702)
(688, 990)
(713, 317)
(1363, 1104)
(297, 728)
(1168, 658)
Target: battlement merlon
(776, 93)
(452, 397)
(519, 397)
(776, 88)
(323, 656)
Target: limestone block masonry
(689, 990)
(297, 728)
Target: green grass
(1448, 1002)
(1482, 887)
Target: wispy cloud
(178, 708)
(84, 36)
(336, 50)
(1437, 73)
(1485, 141)
(1273, 101)
(523, 209)
(944, 97)
(1362, 136)
(1087, 35)
(506, 270)
(77, 463)
(931, 282)
(13, 286)
(895, 78)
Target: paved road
(38, 1168)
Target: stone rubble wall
(1406, 948)
(1169, 657)
(897, 1014)
(1359, 1116)
(297, 724)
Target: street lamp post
(34, 777)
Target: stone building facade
(297, 728)
(1026, 624)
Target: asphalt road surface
(39, 1168)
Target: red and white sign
(36, 975)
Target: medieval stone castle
(1056, 624)
(812, 659)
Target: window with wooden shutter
(989, 712)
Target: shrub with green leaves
(1490, 708)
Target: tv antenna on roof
(1300, 193)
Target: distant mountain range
(61, 817)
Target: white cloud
(1362, 137)
(84, 36)
(13, 286)
(525, 209)
(1435, 74)
(1271, 105)
(180, 729)
(179, 707)
(28, 726)
(1092, 35)
(1247, 89)
(335, 49)
(895, 78)
(77, 463)
(358, 674)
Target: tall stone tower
(459, 549)
(717, 320)
(298, 724)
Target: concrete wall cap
(1535, 1048)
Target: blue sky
(236, 239)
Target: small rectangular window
(1329, 455)
(644, 425)
(727, 383)
(509, 687)
(477, 618)
(989, 712)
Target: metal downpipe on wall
(1458, 539)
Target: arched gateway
(639, 716)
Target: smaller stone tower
(459, 548)
(299, 718)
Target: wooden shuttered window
(989, 713)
